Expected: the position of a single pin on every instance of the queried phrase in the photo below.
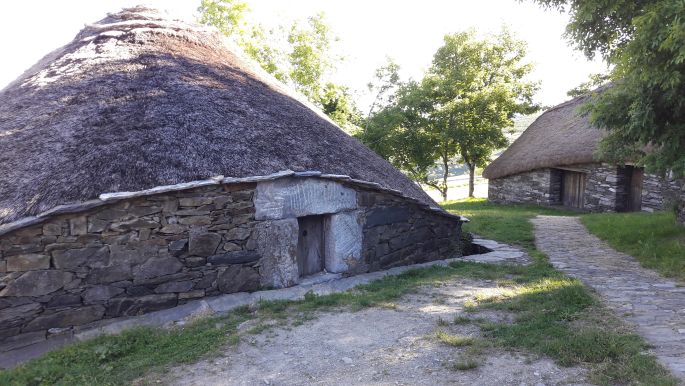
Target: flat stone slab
(655, 305)
(500, 253)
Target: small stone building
(555, 162)
(146, 164)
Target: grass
(454, 340)
(114, 360)
(655, 239)
(504, 223)
(555, 316)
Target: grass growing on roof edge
(655, 239)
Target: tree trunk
(472, 175)
(445, 174)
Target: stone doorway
(311, 245)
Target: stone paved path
(655, 305)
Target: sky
(369, 32)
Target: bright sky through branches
(369, 31)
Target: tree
(478, 86)
(300, 56)
(586, 88)
(468, 97)
(645, 106)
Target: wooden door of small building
(573, 189)
(635, 177)
(310, 245)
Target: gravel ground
(376, 346)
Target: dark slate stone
(176, 286)
(237, 257)
(207, 281)
(176, 248)
(139, 290)
(203, 244)
(158, 267)
(72, 258)
(37, 283)
(16, 316)
(64, 301)
(140, 305)
(154, 281)
(101, 293)
(111, 274)
(66, 318)
(238, 278)
(386, 215)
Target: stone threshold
(15, 353)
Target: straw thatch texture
(138, 100)
(560, 136)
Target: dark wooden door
(634, 199)
(573, 189)
(310, 245)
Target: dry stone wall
(604, 187)
(397, 233)
(74, 271)
(126, 259)
(540, 187)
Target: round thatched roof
(138, 100)
(560, 136)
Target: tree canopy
(298, 55)
(644, 107)
(459, 110)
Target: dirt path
(375, 346)
(638, 295)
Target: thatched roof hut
(560, 136)
(138, 100)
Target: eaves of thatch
(560, 136)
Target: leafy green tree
(644, 108)
(477, 86)
(586, 88)
(459, 110)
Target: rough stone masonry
(158, 251)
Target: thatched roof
(138, 100)
(560, 136)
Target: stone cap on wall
(109, 198)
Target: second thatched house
(555, 162)
(146, 164)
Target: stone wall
(661, 192)
(162, 250)
(541, 187)
(126, 259)
(604, 187)
(397, 233)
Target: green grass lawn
(655, 239)
(555, 316)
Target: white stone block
(343, 241)
(297, 197)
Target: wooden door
(573, 189)
(634, 199)
(310, 245)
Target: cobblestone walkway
(655, 305)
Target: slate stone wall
(606, 188)
(540, 187)
(155, 252)
(399, 233)
(125, 259)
